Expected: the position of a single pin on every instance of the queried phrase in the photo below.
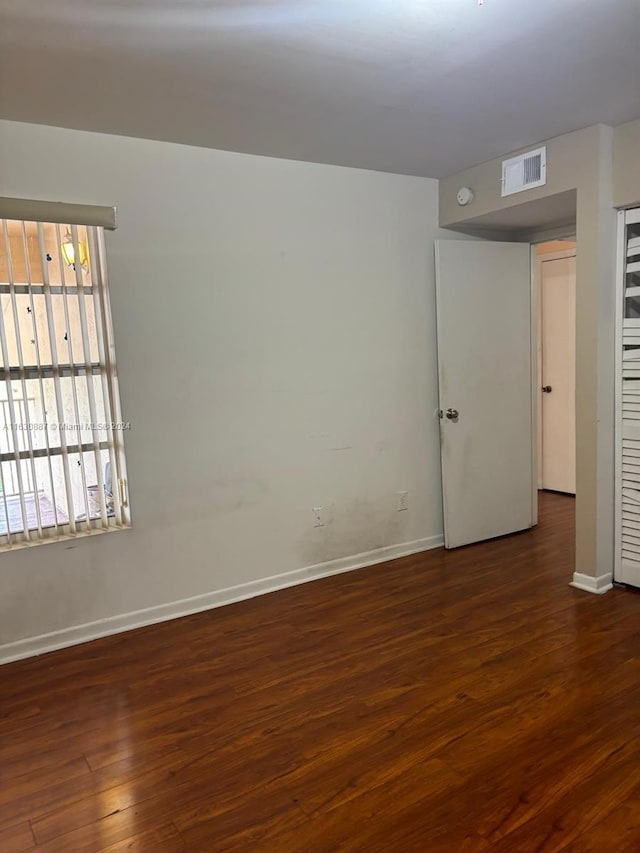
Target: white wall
(275, 336)
(626, 165)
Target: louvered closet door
(628, 404)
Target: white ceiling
(423, 87)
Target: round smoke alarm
(465, 195)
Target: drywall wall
(275, 335)
(626, 164)
(580, 161)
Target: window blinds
(62, 461)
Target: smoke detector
(465, 196)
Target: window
(62, 467)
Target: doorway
(506, 309)
(485, 380)
(555, 282)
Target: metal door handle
(546, 389)
(452, 414)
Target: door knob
(546, 389)
(452, 414)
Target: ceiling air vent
(524, 171)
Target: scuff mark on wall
(355, 528)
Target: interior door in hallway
(557, 290)
(485, 389)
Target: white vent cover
(524, 171)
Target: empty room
(319, 426)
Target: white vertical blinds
(62, 465)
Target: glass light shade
(69, 253)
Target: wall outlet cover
(402, 501)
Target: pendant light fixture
(69, 252)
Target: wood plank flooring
(461, 701)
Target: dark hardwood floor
(461, 701)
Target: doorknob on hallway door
(452, 414)
(546, 389)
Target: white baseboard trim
(43, 643)
(587, 583)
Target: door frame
(534, 239)
(535, 407)
(537, 262)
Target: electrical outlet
(318, 516)
(402, 501)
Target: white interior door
(557, 286)
(485, 388)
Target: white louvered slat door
(627, 558)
